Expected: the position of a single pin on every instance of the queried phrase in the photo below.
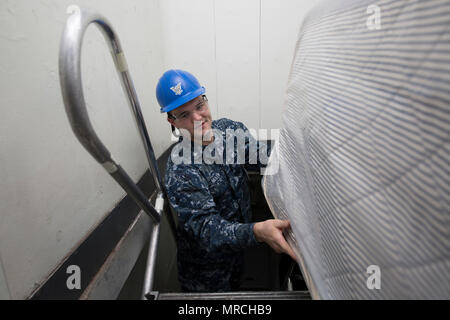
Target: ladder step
(250, 295)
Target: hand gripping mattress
(362, 162)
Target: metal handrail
(72, 92)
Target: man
(211, 200)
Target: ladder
(75, 106)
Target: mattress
(361, 167)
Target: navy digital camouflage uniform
(212, 202)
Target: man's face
(193, 115)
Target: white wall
(52, 193)
(241, 51)
(4, 290)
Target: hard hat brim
(183, 99)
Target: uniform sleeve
(190, 197)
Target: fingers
(280, 244)
(281, 224)
(271, 232)
(286, 248)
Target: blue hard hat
(175, 88)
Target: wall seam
(2, 270)
(260, 76)
(215, 58)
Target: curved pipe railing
(72, 92)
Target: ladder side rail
(72, 92)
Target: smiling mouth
(202, 125)
(198, 126)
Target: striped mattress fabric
(362, 162)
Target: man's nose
(196, 116)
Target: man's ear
(171, 121)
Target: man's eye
(200, 106)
